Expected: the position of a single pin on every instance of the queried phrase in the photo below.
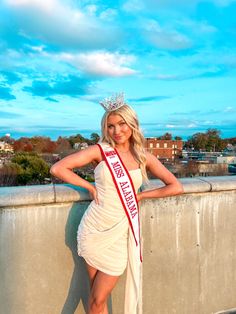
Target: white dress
(104, 238)
(103, 231)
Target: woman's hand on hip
(94, 194)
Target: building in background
(166, 150)
(226, 160)
(80, 146)
(5, 147)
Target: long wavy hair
(136, 140)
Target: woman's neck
(123, 148)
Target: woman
(106, 236)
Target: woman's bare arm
(172, 185)
(63, 169)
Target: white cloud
(57, 23)
(208, 122)
(45, 6)
(204, 63)
(101, 64)
(91, 9)
(37, 48)
(108, 14)
(191, 125)
(165, 38)
(133, 5)
(196, 27)
(230, 109)
(181, 124)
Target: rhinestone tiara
(114, 102)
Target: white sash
(127, 195)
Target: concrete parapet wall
(189, 249)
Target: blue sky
(174, 60)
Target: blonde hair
(137, 139)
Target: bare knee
(97, 304)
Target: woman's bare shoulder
(151, 160)
(149, 156)
(93, 152)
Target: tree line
(208, 141)
(43, 144)
(33, 156)
(24, 168)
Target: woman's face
(118, 129)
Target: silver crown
(114, 102)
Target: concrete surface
(189, 250)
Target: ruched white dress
(104, 238)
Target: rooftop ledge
(62, 193)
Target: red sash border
(138, 242)
(131, 181)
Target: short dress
(103, 231)
(103, 234)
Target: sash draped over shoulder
(105, 239)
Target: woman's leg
(92, 273)
(101, 286)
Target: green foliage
(9, 173)
(76, 139)
(178, 138)
(94, 138)
(89, 178)
(166, 136)
(32, 168)
(208, 141)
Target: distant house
(80, 146)
(164, 149)
(230, 150)
(6, 147)
(226, 160)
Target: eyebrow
(122, 120)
